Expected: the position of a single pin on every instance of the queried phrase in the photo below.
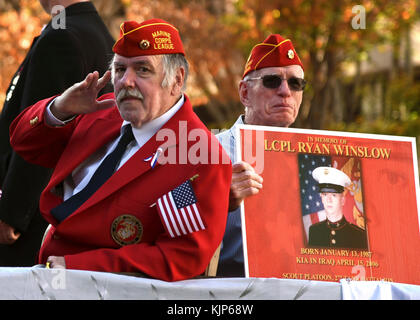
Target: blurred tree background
(360, 79)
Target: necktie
(102, 174)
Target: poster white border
(238, 128)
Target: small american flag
(310, 198)
(179, 212)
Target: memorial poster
(286, 232)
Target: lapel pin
(153, 158)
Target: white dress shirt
(81, 176)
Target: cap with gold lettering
(151, 37)
(330, 179)
(275, 51)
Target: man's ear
(243, 93)
(179, 82)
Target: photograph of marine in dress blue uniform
(332, 201)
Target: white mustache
(129, 93)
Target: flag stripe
(170, 215)
(198, 216)
(180, 223)
(165, 218)
(314, 217)
(186, 220)
(192, 218)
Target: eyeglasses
(273, 81)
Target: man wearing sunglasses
(271, 91)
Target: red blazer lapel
(93, 135)
(136, 165)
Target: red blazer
(88, 238)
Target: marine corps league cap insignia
(151, 37)
(144, 44)
(126, 229)
(274, 51)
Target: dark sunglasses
(273, 81)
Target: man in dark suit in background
(74, 43)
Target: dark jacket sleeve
(56, 64)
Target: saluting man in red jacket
(113, 204)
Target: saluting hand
(81, 97)
(245, 183)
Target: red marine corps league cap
(150, 37)
(275, 51)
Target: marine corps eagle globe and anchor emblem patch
(126, 229)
